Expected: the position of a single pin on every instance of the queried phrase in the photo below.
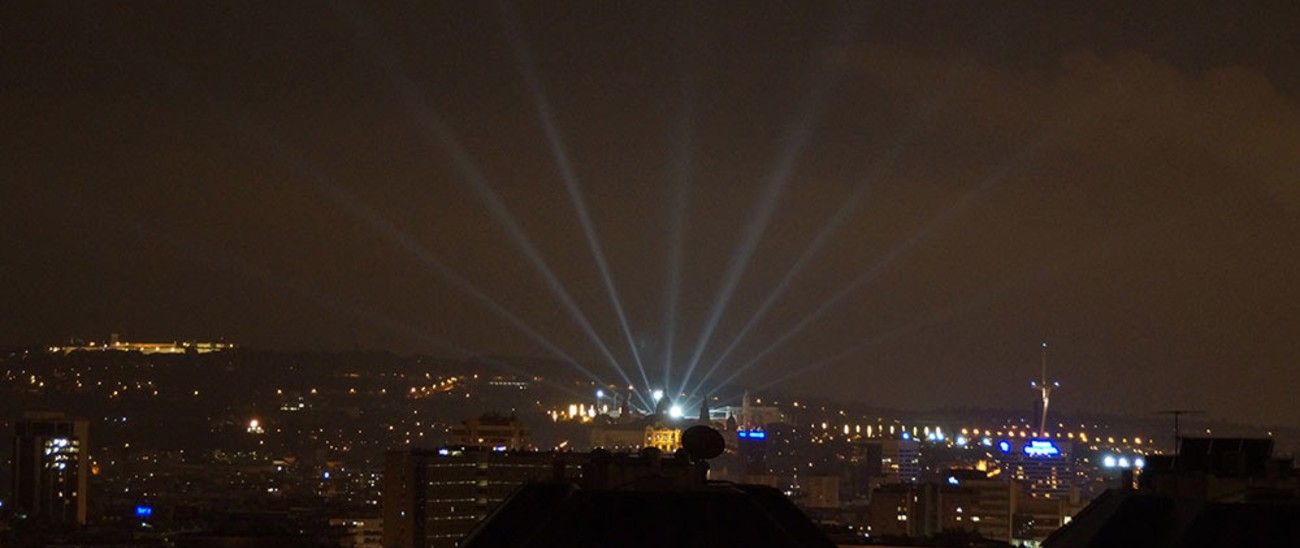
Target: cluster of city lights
(1123, 462)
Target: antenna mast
(1178, 413)
(1045, 390)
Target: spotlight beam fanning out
(793, 146)
(528, 70)
(897, 251)
(275, 148)
(987, 297)
(916, 324)
(676, 230)
(1097, 249)
(230, 263)
(443, 137)
(358, 209)
(836, 220)
(806, 257)
(682, 168)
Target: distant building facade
(1045, 465)
(359, 532)
(634, 435)
(433, 498)
(492, 431)
(900, 460)
(964, 501)
(113, 344)
(819, 491)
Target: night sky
(973, 178)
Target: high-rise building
(861, 469)
(1045, 466)
(893, 511)
(50, 468)
(819, 491)
(964, 500)
(647, 499)
(979, 503)
(751, 446)
(900, 460)
(433, 498)
(492, 431)
(359, 532)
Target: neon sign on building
(1041, 448)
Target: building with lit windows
(979, 503)
(493, 431)
(1044, 465)
(663, 438)
(634, 435)
(50, 468)
(359, 532)
(892, 510)
(115, 345)
(900, 460)
(615, 437)
(964, 500)
(433, 498)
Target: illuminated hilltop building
(663, 438)
(115, 345)
(636, 434)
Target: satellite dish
(702, 442)
(601, 455)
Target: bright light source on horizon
(675, 412)
(657, 395)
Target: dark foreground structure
(1214, 492)
(714, 515)
(526, 499)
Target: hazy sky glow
(1123, 182)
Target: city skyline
(873, 203)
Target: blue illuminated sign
(752, 434)
(1005, 446)
(1041, 448)
(143, 511)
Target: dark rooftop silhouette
(716, 515)
(1215, 492)
(648, 499)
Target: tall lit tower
(1045, 391)
(50, 468)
